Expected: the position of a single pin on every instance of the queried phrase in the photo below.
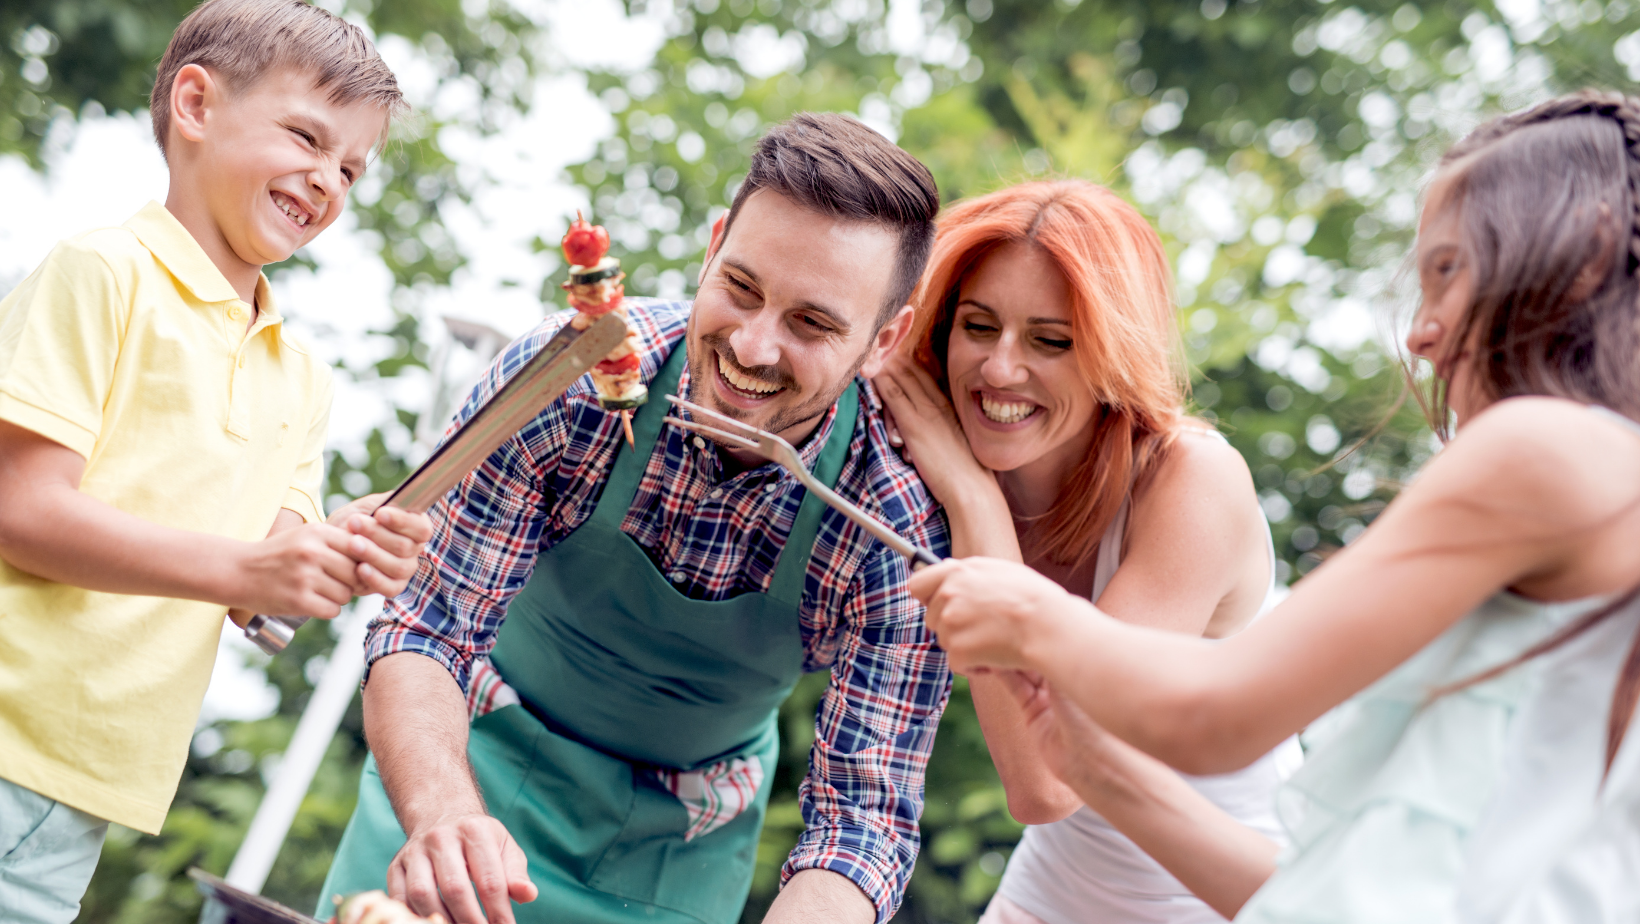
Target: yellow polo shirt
(128, 346)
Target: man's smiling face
(787, 313)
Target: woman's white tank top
(1080, 870)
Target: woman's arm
(1535, 494)
(981, 524)
(1219, 859)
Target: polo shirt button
(677, 577)
(241, 362)
(236, 313)
(717, 492)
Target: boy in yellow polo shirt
(161, 439)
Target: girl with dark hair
(1480, 636)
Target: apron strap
(622, 486)
(789, 573)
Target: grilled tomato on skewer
(595, 289)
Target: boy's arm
(50, 529)
(385, 564)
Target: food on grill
(376, 908)
(595, 289)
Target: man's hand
(386, 542)
(415, 716)
(440, 866)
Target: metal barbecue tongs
(564, 359)
(768, 446)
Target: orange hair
(1126, 342)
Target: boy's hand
(305, 571)
(386, 543)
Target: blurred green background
(1278, 145)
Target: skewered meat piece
(595, 289)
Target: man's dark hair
(835, 165)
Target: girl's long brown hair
(1549, 202)
(1126, 344)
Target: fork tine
(734, 438)
(780, 452)
(746, 430)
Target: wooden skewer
(626, 426)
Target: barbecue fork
(768, 446)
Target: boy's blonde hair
(240, 40)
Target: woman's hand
(922, 419)
(986, 612)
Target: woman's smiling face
(1022, 400)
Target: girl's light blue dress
(1484, 805)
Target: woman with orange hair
(1043, 404)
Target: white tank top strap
(1208, 431)
(1109, 556)
(1608, 412)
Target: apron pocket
(707, 877)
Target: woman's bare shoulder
(1203, 485)
(1196, 542)
(1200, 458)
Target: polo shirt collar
(173, 246)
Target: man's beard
(783, 418)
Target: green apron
(619, 673)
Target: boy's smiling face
(270, 163)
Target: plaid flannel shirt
(715, 537)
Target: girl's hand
(922, 420)
(985, 611)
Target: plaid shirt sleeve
(486, 534)
(874, 730)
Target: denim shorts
(48, 852)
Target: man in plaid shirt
(620, 626)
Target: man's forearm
(415, 718)
(820, 896)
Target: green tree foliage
(1277, 144)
